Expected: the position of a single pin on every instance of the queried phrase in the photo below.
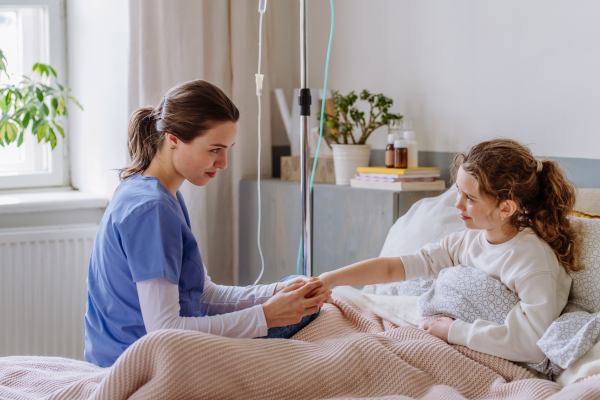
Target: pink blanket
(345, 353)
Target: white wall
(467, 70)
(97, 40)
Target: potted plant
(33, 102)
(348, 152)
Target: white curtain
(217, 40)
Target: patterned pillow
(468, 294)
(585, 291)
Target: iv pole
(304, 100)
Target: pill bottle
(413, 151)
(395, 130)
(401, 153)
(389, 151)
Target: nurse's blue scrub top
(145, 233)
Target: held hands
(325, 288)
(282, 285)
(439, 327)
(292, 302)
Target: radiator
(43, 290)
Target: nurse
(145, 271)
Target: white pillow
(428, 221)
(585, 291)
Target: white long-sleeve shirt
(229, 311)
(526, 265)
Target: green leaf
(46, 109)
(41, 132)
(53, 72)
(20, 140)
(52, 139)
(2, 130)
(60, 109)
(36, 125)
(11, 132)
(61, 87)
(8, 98)
(74, 100)
(26, 119)
(60, 130)
(40, 95)
(54, 103)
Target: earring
(502, 219)
(173, 148)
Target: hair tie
(540, 165)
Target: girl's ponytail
(142, 141)
(548, 213)
(506, 170)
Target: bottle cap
(391, 138)
(398, 144)
(410, 135)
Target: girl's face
(475, 210)
(199, 160)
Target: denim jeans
(286, 332)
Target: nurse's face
(199, 160)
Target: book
(400, 171)
(388, 176)
(392, 178)
(398, 186)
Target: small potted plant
(31, 102)
(348, 152)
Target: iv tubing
(321, 125)
(258, 94)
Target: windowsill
(42, 201)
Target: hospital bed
(348, 352)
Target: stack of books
(398, 179)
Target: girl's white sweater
(526, 265)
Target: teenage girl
(515, 209)
(145, 271)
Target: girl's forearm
(368, 272)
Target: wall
(97, 40)
(468, 70)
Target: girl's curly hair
(506, 170)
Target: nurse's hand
(289, 305)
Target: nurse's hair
(187, 111)
(506, 170)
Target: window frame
(59, 175)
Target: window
(30, 32)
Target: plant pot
(347, 158)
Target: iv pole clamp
(304, 100)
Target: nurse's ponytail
(187, 111)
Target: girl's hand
(290, 305)
(325, 288)
(282, 285)
(439, 327)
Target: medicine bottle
(389, 151)
(401, 154)
(395, 129)
(413, 151)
